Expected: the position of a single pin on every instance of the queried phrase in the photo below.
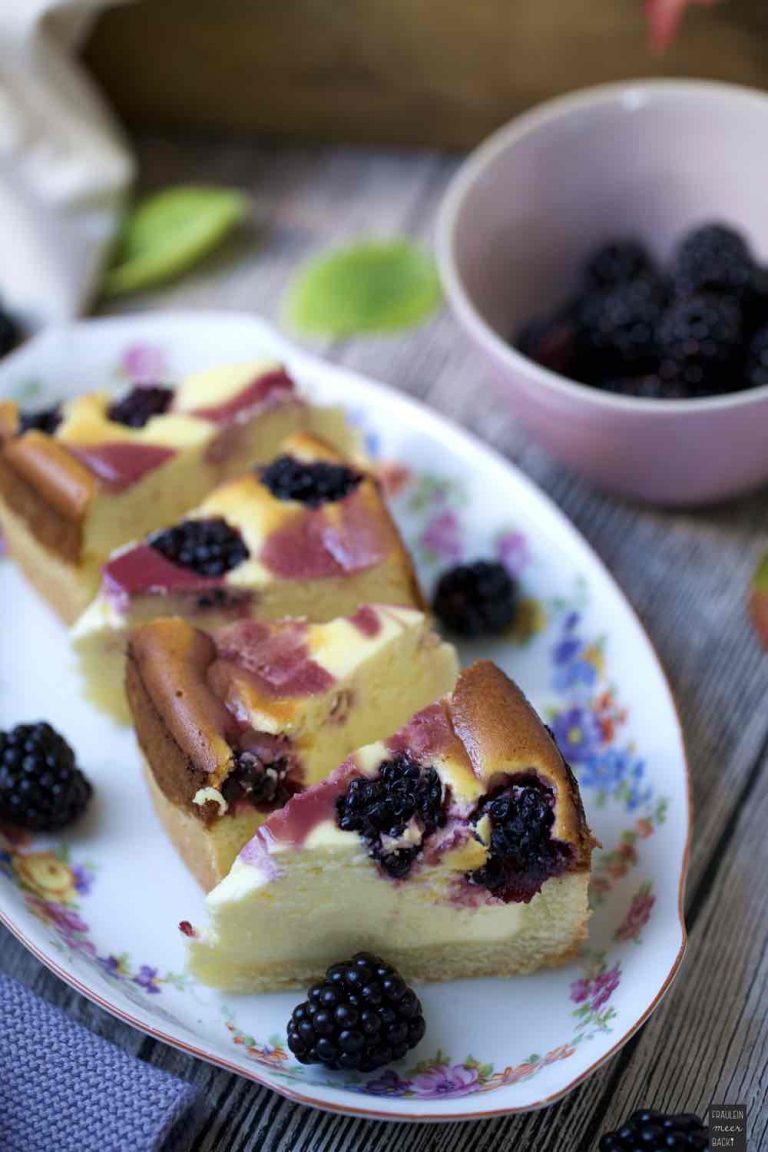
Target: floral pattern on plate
(575, 647)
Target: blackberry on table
(209, 547)
(651, 1131)
(756, 369)
(41, 787)
(700, 344)
(361, 1016)
(137, 408)
(478, 599)
(616, 330)
(522, 852)
(617, 263)
(41, 420)
(714, 258)
(312, 483)
(402, 794)
(10, 333)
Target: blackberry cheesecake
(234, 722)
(82, 478)
(458, 847)
(307, 535)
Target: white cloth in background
(64, 165)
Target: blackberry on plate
(700, 344)
(617, 263)
(361, 1016)
(10, 333)
(403, 796)
(41, 787)
(651, 1131)
(140, 404)
(478, 599)
(714, 258)
(41, 420)
(756, 370)
(313, 483)
(209, 547)
(616, 330)
(522, 851)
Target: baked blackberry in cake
(82, 478)
(234, 722)
(307, 535)
(459, 845)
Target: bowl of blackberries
(608, 255)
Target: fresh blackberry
(361, 1016)
(616, 331)
(714, 259)
(41, 787)
(649, 387)
(522, 852)
(315, 483)
(262, 782)
(208, 547)
(617, 263)
(650, 1131)
(478, 599)
(756, 369)
(700, 344)
(10, 333)
(41, 420)
(549, 342)
(138, 406)
(403, 795)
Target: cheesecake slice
(308, 535)
(80, 479)
(233, 723)
(457, 848)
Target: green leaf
(377, 286)
(168, 232)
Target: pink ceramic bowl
(649, 159)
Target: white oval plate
(100, 906)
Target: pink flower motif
(59, 915)
(604, 986)
(513, 552)
(144, 364)
(638, 915)
(665, 18)
(580, 990)
(441, 536)
(596, 990)
(446, 1080)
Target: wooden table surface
(686, 574)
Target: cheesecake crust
(502, 734)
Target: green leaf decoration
(372, 287)
(168, 232)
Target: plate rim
(465, 441)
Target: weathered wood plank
(432, 72)
(685, 574)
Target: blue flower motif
(146, 978)
(605, 771)
(578, 734)
(576, 679)
(566, 649)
